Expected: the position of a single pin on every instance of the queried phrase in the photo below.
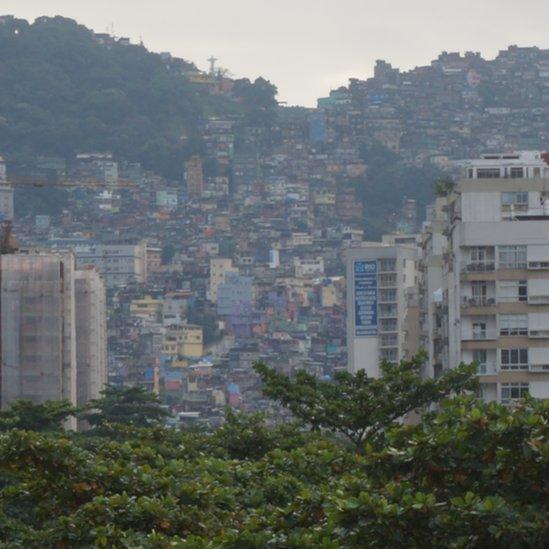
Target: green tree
(358, 406)
(127, 406)
(49, 416)
(444, 186)
(469, 474)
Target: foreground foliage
(360, 407)
(470, 475)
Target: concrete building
(6, 195)
(234, 294)
(54, 339)
(167, 199)
(154, 259)
(91, 335)
(194, 177)
(306, 267)
(38, 328)
(495, 285)
(120, 262)
(219, 268)
(183, 340)
(379, 278)
(431, 284)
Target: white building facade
(379, 277)
(119, 262)
(494, 278)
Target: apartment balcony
(388, 314)
(539, 333)
(484, 335)
(482, 301)
(539, 368)
(488, 369)
(538, 299)
(484, 267)
(525, 213)
(387, 300)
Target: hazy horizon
(310, 47)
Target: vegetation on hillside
(468, 475)
(63, 92)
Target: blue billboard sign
(365, 297)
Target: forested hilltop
(64, 91)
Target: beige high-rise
(492, 267)
(53, 334)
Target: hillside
(64, 91)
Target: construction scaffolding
(38, 328)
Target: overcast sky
(307, 47)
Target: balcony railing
(538, 299)
(479, 267)
(483, 335)
(488, 369)
(539, 333)
(481, 301)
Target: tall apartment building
(91, 335)
(493, 299)
(6, 195)
(433, 243)
(120, 262)
(194, 177)
(53, 333)
(38, 328)
(380, 279)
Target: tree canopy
(469, 475)
(49, 416)
(358, 406)
(466, 474)
(126, 406)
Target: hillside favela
(228, 321)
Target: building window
(387, 265)
(519, 200)
(488, 173)
(513, 391)
(391, 355)
(390, 340)
(479, 330)
(388, 311)
(513, 290)
(514, 359)
(386, 280)
(513, 325)
(389, 325)
(480, 357)
(512, 257)
(517, 173)
(387, 295)
(479, 291)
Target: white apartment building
(120, 262)
(494, 280)
(379, 279)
